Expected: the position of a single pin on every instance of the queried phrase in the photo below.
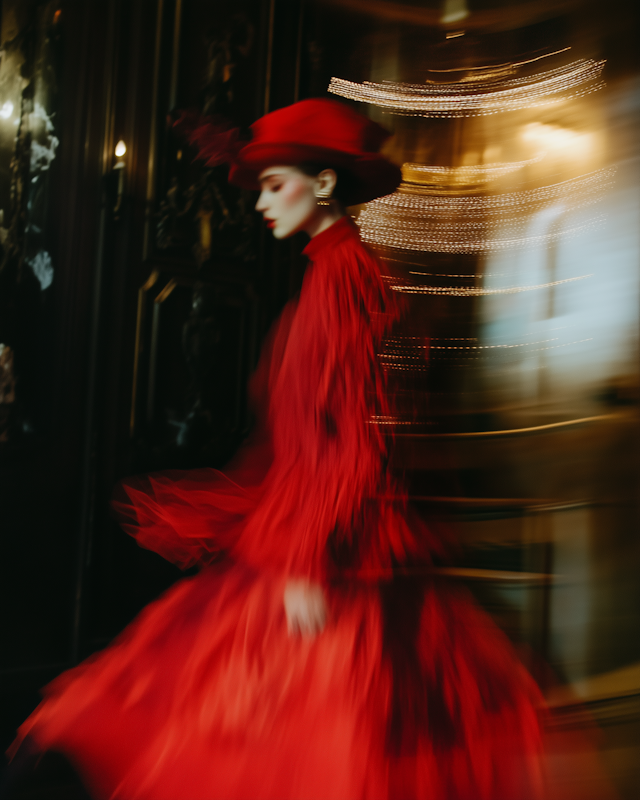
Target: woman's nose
(260, 205)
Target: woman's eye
(276, 187)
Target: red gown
(409, 693)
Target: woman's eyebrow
(274, 176)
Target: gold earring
(323, 199)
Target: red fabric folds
(188, 517)
(205, 697)
(409, 693)
(328, 472)
(319, 485)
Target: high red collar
(342, 229)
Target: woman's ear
(326, 182)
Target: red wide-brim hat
(324, 132)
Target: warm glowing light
(121, 149)
(462, 176)
(453, 11)
(7, 110)
(420, 218)
(455, 291)
(488, 96)
(554, 137)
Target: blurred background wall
(136, 286)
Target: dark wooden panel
(191, 281)
(197, 348)
(72, 578)
(60, 56)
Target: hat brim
(372, 174)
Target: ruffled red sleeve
(189, 517)
(311, 495)
(328, 490)
(192, 517)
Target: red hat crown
(322, 124)
(323, 131)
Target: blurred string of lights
(577, 79)
(401, 351)
(401, 345)
(442, 274)
(491, 346)
(415, 218)
(378, 419)
(399, 355)
(463, 176)
(465, 275)
(455, 291)
(495, 71)
(448, 210)
(405, 353)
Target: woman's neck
(324, 219)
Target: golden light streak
(509, 67)
(417, 218)
(455, 291)
(577, 79)
(462, 176)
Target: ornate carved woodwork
(197, 322)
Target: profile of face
(289, 200)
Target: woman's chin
(282, 232)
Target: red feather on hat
(217, 142)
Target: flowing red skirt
(206, 696)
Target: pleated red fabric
(410, 692)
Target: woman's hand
(305, 607)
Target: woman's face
(288, 200)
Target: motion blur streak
(514, 239)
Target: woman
(301, 662)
